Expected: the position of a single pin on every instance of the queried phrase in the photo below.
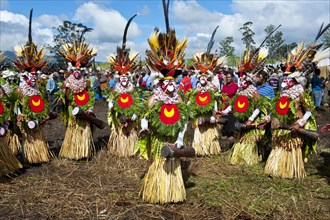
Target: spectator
(113, 80)
(194, 80)
(229, 89)
(185, 84)
(51, 88)
(146, 82)
(263, 88)
(273, 81)
(317, 84)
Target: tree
(274, 41)
(226, 48)
(326, 39)
(247, 35)
(67, 33)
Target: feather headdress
(301, 58)
(124, 61)
(2, 60)
(78, 54)
(253, 61)
(29, 57)
(166, 54)
(207, 63)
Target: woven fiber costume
(125, 106)
(293, 123)
(78, 102)
(8, 161)
(167, 116)
(248, 106)
(203, 102)
(9, 83)
(33, 105)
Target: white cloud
(108, 25)
(300, 21)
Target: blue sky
(194, 19)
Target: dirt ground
(106, 187)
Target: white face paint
(168, 86)
(203, 80)
(123, 81)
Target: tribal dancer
(78, 102)
(293, 123)
(203, 104)
(167, 115)
(125, 106)
(249, 107)
(8, 161)
(33, 105)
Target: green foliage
(226, 48)
(274, 42)
(171, 129)
(196, 110)
(247, 35)
(138, 107)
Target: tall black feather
(210, 44)
(125, 31)
(165, 7)
(30, 28)
(321, 31)
(262, 43)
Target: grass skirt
(14, 144)
(286, 158)
(78, 141)
(245, 151)
(206, 140)
(8, 162)
(35, 147)
(163, 183)
(120, 144)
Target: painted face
(77, 74)
(287, 83)
(203, 80)
(243, 84)
(31, 80)
(11, 79)
(123, 80)
(168, 86)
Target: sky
(195, 19)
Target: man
(51, 88)
(263, 88)
(317, 84)
(185, 84)
(229, 89)
(273, 81)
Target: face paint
(31, 80)
(168, 86)
(243, 84)
(203, 80)
(123, 81)
(76, 74)
(287, 83)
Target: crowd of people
(164, 110)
